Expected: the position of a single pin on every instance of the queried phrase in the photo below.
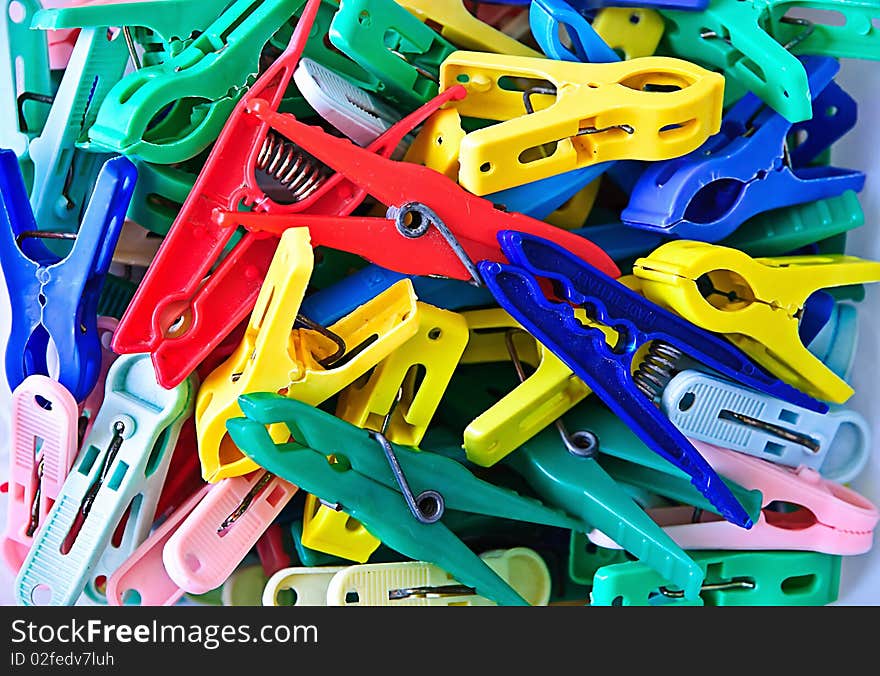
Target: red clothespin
(270, 549)
(179, 316)
(465, 227)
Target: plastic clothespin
(684, 5)
(540, 399)
(548, 18)
(329, 530)
(358, 114)
(214, 538)
(60, 42)
(176, 317)
(123, 461)
(632, 32)
(652, 108)
(63, 174)
(193, 92)
(159, 195)
(310, 363)
(381, 498)
(456, 24)
(464, 228)
(136, 246)
(744, 170)
(394, 46)
(621, 243)
(54, 298)
(607, 369)
(272, 551)
(835, 345)
(92, 403)
(826, 516)
(732, 579)
(755, 43)
(836, 444)
(244, 587)
(300, 586)
(782, 231)
(23, 91)
(42, 445)
(756, 303)
(142, 579)
(408, 384)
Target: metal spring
(655, 372)
(290, 167)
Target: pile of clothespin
(431, 302)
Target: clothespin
(213, 539)
(757, 303)
(732, 579)
(201, 85)
(835, 345)
(272, 550)
(456, 24)
(358, 114)
(684, 5)
(585, 559)
(174, 315)
(42, 447)
(406, 386)
(742, 171)
(826, 517)
(783, 231)
(395, 47)
(142, 579)
(464, 226)
(329, 530)
(60, 42)
(159, 195)
(632, 31)
(92, 403)
(55, 297)
(244, 587)
(836, 444)
(548, 18)
(539, 400)
(650, 109)
(755, 43)
(136, 245)
(123, 459)
(311, 363)
(381, 496)
(63, 174)
(18, 88)
(409, 583)
(606, 369)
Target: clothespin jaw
(332, 531)
(201, 85)
(456, 24)
(401, 52)
(43, 445)
(732, 579)
(625, 116)
(43, 288)
(274, 358)
(124, 456)
(742, 171)
(756, 303)
(836, 444)
(359, 479)
(609, 371)
(547, 18)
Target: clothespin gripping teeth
(608, 370)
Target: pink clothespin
(91, 404)
(222, 529)
(61, 42)
(42, 447)
(828, 517)
(142, 579)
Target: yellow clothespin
(332, 531)
(302, 363)
(755, 302)
(577, 115)
(541, 398)
(635, 31)
(574, 212)
(409, 384)
(436, 145)
(455, 23)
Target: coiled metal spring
(655, 372)
(290, 167)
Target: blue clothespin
(835, 113)
(606, 369)
(682, 5)
(56, 297)
(545, 19)
(836, 343)
(744, 170)
(620, 242)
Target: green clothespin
(392, 45)
(115, 296)
(739, 578)
(781, 231)
(23, 102)
(170, 112)
(332, 265)
(159, 195)
(585, 559)
(351, 467)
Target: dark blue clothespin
(607, 369)
(56, 298)
(745, 169)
